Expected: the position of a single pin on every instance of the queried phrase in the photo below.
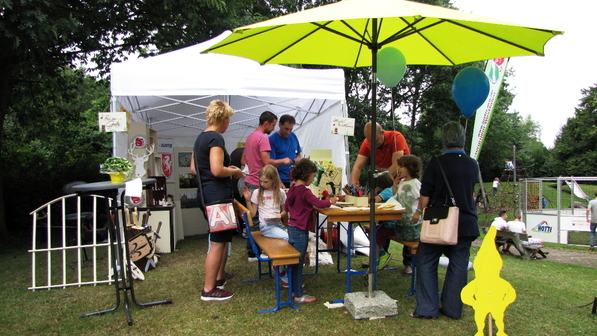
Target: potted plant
(117, 168)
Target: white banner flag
(495, 70)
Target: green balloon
(391, 66)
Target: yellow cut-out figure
(488, 293)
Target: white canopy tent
(170, 92)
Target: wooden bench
(279, 253)
(517, 238)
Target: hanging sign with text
(112, 121)
(342, 126)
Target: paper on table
(352, 209)
(134, 188)
(391, 204)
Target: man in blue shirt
(285, 144)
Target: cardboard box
(362, 201)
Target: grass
(547, 293)
(579, 238)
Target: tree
(537, 161)
(61, 144)
(574, 151)
(40, 39)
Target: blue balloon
(391, 66)
(470, 90)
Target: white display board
(543, 226)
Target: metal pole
(515, 184)
(559, 211)
(372, 226)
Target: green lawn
(547, 294)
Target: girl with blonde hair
(269, 201)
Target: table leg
(115, 264)
(318, 227)
(349, 272)
(121, 264)
(130, 286)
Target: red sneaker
(216, 294)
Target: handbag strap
(446, 181)
(199, 178)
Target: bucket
(116, 177)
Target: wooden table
(352, 217)
(341, 215)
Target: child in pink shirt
(299, 205)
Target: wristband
(419, 210)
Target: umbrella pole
(372, 224)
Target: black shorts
(213, 193)
(221, 236)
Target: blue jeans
(593, 227)
(274, 230)
(428, 302)
(299, 239)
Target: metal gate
(70, 244)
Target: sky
(548, 88)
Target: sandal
(305, 299)
(414, 315)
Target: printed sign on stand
(343, 126)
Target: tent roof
(171, 92)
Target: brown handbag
(440, 223)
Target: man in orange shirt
(389, 146)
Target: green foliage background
(48, 104)
(52, 138)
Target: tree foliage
(53, 139)
(40, 40)
(575, 150)
(48, 111)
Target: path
(568, 256)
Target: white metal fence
(70, 245)
(554, 206)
